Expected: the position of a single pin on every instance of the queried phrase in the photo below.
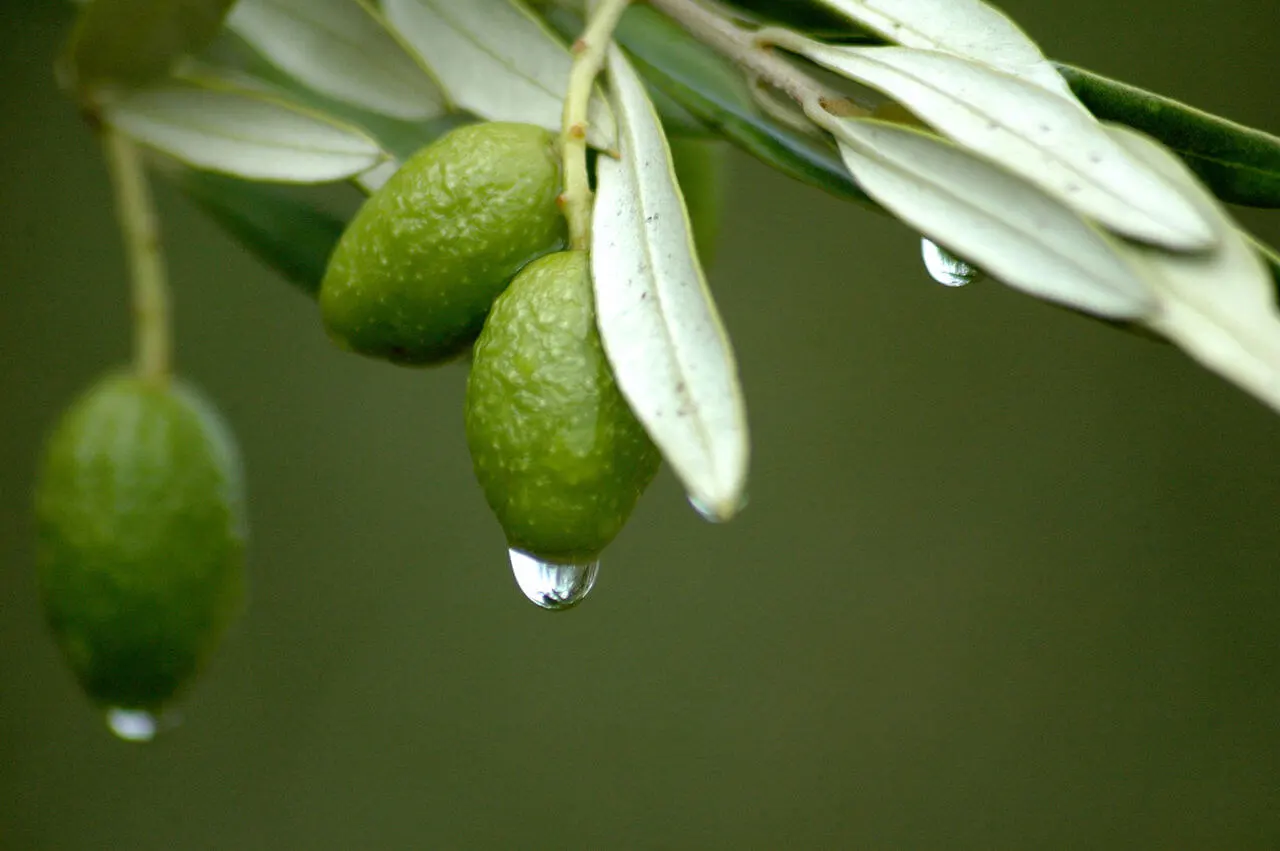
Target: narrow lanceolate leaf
(337, 48)
(1240, 164)
(134, 42)
(496, 59)
(1219, 307)
(661, 331)
(243, 134)
(968, 28)
(290, 235)
(231, 63)
(1053, 144)
(994, 219)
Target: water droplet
(133, 725)
(553, 586)
(711, 515)
(944, 267)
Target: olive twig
(136, 213)
(589, 55)
(752, 52)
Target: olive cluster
(463, 249)
(139, 500)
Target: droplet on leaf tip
(944, 267)
(711, 515)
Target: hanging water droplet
(553, 586)
(944, 267)
(711, 515)
(706, 512)
(133, 725)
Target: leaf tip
(719, 510)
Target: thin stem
(752, 54)
(589, 54)
(137, 216)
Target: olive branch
(1080, 190)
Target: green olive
(417, 269)
(141, 524)
(560, 456)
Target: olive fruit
(141, 535)
(700, 170)
(417, 269)
(560, 456)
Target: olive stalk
(141, 231)
(589, 56)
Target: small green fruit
(420, 264)
(561, 458)
(141, 526)
(700, 168)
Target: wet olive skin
(560, 456)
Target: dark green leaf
(132, 42)
(677, 120)
(713, 90)
(814, 21)
(1240, 164)
(288, 234)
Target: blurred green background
(1009, 579)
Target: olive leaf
(677, 120)
(1218, 306)
(337, 48)
(990, 217)
(135, 42)
(660, 328)
(1240, 164)
(968, 28)
(230, 62)
(496, 59)
(375, 178)
(244, 133)
(813, 20)
(290, 235)
(1031, 132)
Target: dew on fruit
(944, 267)
(553, 586)
(133, 725)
